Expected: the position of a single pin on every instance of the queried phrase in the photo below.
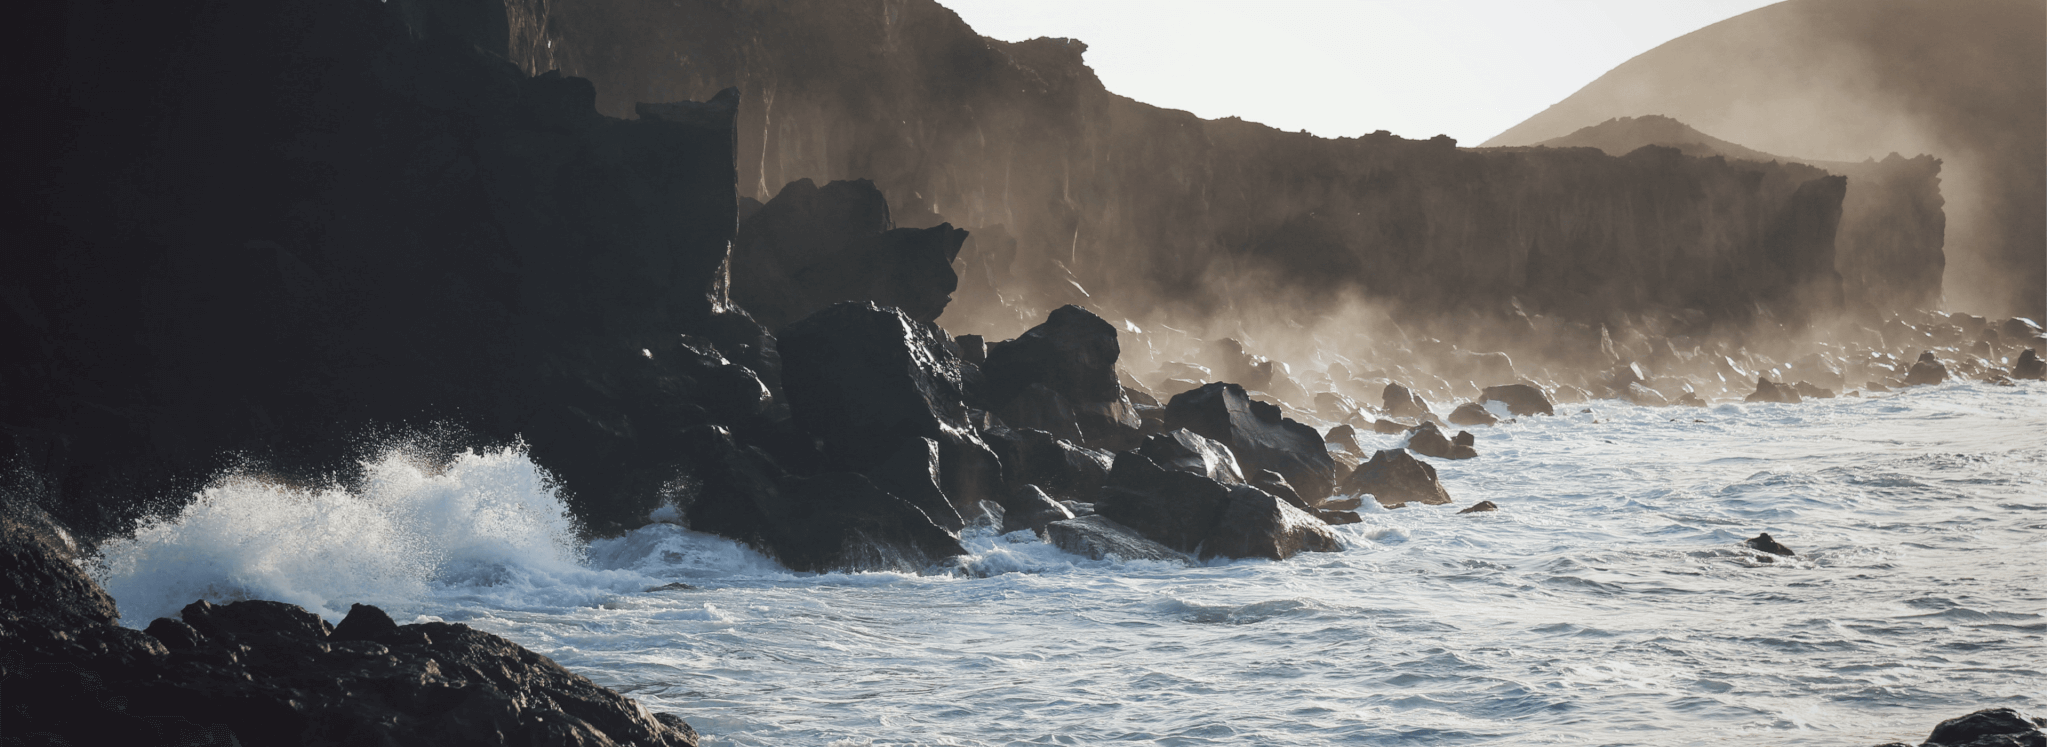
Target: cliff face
(1889, 247)
(273, 226)
(1847, 80)
(1074, 194)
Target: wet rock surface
(1991, 727)
(1522, 400)
(1764, 543)
(1428, 440)
(811, 247)
(1394, 477)
(260, 672)
(1257, 434)
(1071, 358)
(1099, 538)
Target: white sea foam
(1608, 601)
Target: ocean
(1609, 601)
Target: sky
(1418, 68)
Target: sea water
(1610, 600)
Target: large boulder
(1187, 451)
(1991, 727)
(825, 522)
(1258, 435)
(1771, 391)
(1428, 440)
(1523, 400)
(1926, 370)
(1472, 413)
(1100, 538)
(864, 380)
(1064, 470)
(811, 247)
(912, 474)
(1258, 524)
(1394, 477)
(262, 672)
(1065, 365)
(1399, 402)
(2029, 366)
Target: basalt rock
(864, 380)
(830, 521)
(1072, 355)
(1427, 440)
(1811, 391)
(1257, 434)
(1393, 477)
(1194, 514)
(1399, 402)
(1522, 400)
(261, 672)
(1480, 508)
(812, 246)
(2029, 366)
(1187, 451)
(1062, 469)
(1387, 427)
(912, 474)
(1345, 438)
(1764, 543)
(1991, 727)
(1258, 524)
(1030, 508)
(1100, 538)
(1927, 370)
(1472, 413)
(1643, 396)
(1771, 391)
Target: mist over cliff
(1846, 80)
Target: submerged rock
(1393, 477)
(1098, 537)
(1764, 543)
(1258, 436)
(1480, 507)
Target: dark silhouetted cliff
(1151, 213)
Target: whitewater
(1610, 600)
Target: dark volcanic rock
(2029, 366)
(1174, 508)
(1258, 435)
(865, 379)
(1260, 525)
(1480, 507)
(1399, 402)
(1811, 391)
(1472, 413)
(1991, 727)
(1030, 508)
(1062, 469)
(1771, 391)
(1387, 427)
(1073, 355)
(1427, 440)
(1187, 451)
(1764, 543)
(1346, 438)
(830, 521)
(260, 672)
(1523, 400)
(812, 246)
(1100, 538)
(912, 474)
(1927, 370)
(1393, 478)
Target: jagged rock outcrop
(1771, 391)
(1186, 511)
(1522, 400)
(1394, 477)
(1071, 361)
(1257, 434)
(1061, 468)
(262, 672)
(824, 522)
(1100, 538)
(864, 379)
(812, 246)
(1926, 370)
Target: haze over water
(1609, 601)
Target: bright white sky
(1465, 68)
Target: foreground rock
(1395, 478)
(1764, 543)
(1258, 435)
(1100, 538)
(1200, 516)
(829, 521)
(1991, 727)
(864, 380)
(260, 672)
(1071, 359)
